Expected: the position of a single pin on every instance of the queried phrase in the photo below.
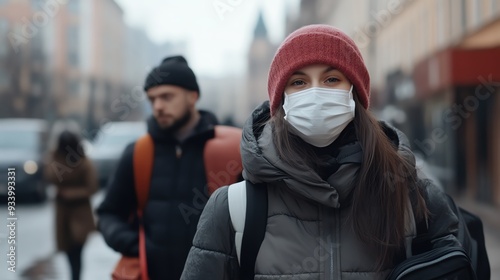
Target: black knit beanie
(175, 71)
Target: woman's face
(316, 75)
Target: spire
(260, 28)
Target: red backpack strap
(143, 169)
(222, 157)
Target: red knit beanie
(317, 44)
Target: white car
(109, 144)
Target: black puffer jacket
(176, 199)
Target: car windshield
(19, 140)
(115, 141)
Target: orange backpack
(222, 167)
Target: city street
(277, 91)
(36, 259)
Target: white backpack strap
(237, 200)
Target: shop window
(72, 37)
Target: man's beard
(179, 123)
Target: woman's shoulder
(220, 194)
(441, 213)
(217, 205)
(437, 200)
(214, 220)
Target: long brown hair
(70, 142)
(383, 183)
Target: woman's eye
(332, 80)
(297, 83)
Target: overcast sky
(217, 40)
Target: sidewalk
(97, 263)
(98, 259)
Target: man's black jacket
(176, 198)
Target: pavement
(35, 251)
(98, 263)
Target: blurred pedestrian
(178, 186)
(75, 180)
(338, 182)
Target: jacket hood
(262, 163)
(205, 127)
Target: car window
(116, 140)
(19, 140)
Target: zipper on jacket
(330, 236)
(336, 246)
(332, 229)
(177, 166)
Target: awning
(456, 67)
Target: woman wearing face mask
(343, 192)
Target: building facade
(22, 60)
(73, 59)
(434, 73)
(438, 60)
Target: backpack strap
(237, 201)
(248, 212)
(222, 157)
(255, 223)
(143, 168)
(479, 256)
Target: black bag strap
(255, 228)
(479, 258)
(421, 242)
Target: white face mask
(318, 115)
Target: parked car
(109, 144)
(22, 146)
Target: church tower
(260, 55)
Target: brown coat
(76, 182)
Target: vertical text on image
(11, 219)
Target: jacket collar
(263, 165)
